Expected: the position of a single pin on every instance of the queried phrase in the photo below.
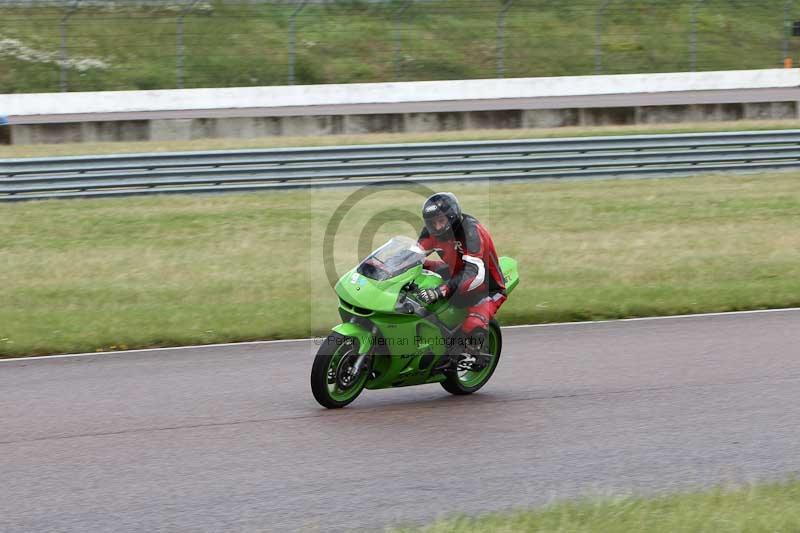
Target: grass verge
(83, 275)
(129, 46)
(759, 508)
(53, 150)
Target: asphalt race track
(230, 438)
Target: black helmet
(441, 203)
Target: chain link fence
(83, 45)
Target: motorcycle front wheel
(333, 381)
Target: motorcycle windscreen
(392, 259)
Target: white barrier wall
(387, 93)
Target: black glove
(428, 296)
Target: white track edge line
(140, 350)
(664, 317)
(258, 343)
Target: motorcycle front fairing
(368, 299)
(375, 284)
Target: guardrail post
(293, 38)
(598, 36)
(397, 38)
(693, 35)
(70, 7)
(181, 48)
(501, 38)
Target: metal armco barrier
(251, 170)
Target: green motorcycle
(388, 338)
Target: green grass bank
(111, 46)
(765, 508)
(87, 275)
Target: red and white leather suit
(470, 269)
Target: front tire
(331, 383)
(469, 381)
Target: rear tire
(331, 361)
(467, 382)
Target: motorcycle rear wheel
(468, 381)
(331, 384)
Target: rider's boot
(474, 348)
(454, 348)
(465, 348)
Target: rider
(470, 268)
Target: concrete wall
(400, 107)
(247, 127)
(18, 106)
